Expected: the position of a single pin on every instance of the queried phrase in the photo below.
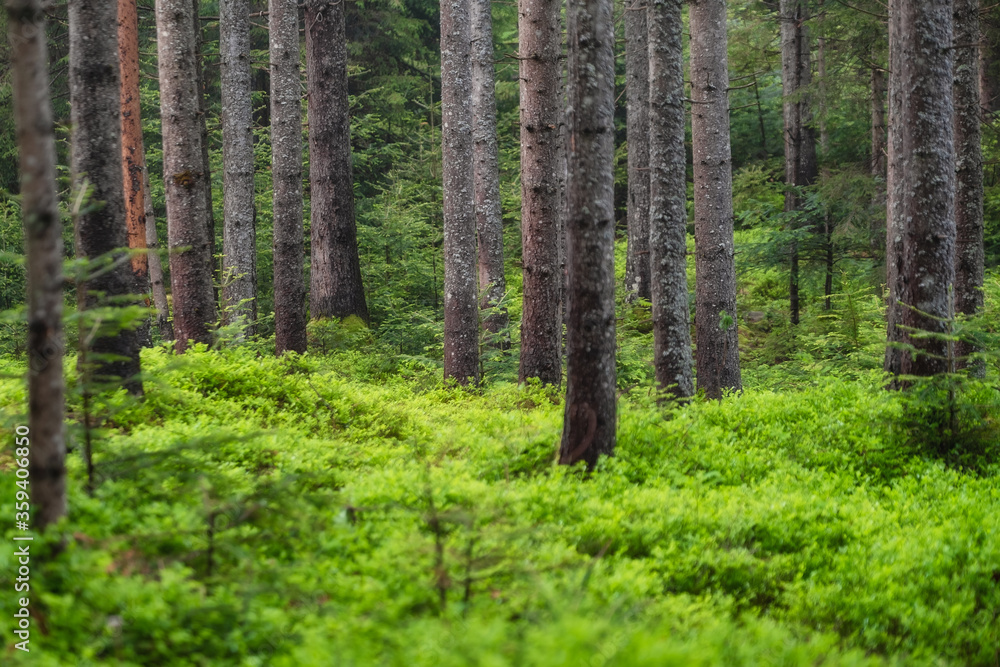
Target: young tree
(461, 312)
(667, 201)
(184, 177)
(717, 358)
(542, 167)
(156, 281)
(43, 248)
(486, 168)
(286, 170)
(336, 289)
(637, 84)
(590, 419)
(97, 168)
(239, 234)
(926, 179)
(969, 251)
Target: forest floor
(348, 509)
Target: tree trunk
(156, 282)
(239, 242)
(894, 224)
(800, 139)
(927, 178)
(968, 167)
(184, 177)
(717, 358)
(99, 229)
(206, 163)
(461, 312)
(133, 153)
(821, 90)
(879, 148)
(43, 250)
(989, 60)
(489, 215)
(540, 44)
(286, 171)
(590, 419)
(336, 288)
(668, 200)
(637, 83)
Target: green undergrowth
(323, 510)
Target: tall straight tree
(800, 139)
(989, 59)
(717, 359)
(286, 171)
(206, 163)
(969, 251)
(590, 419)
(239, 236)
(486, 166)
(100, 230)
(927, 178)
(183, 175)
(156, 281)
(461, 311)
(336, 289)
(667, 201)
(542, 167)
(894, 224)
(637, 258)
(43, 250)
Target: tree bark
(336, 288)
(668, 199)
(637, 84)
(969, 251)
(590, 414)
(461, 312)
(927, 178)
(206, 163)
(989, 60)
(99, 229)
(239, 242)
(156, 281)
(540, 44)
(800, 139)
(184, 177)
(286, 171)
(879, 148)
(43, 250)
(486, 171)
(717, 359)
(894, 223)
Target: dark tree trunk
(989, 60)
(717, 358)
(43, 250)
(99, 229)
(894, 224)
(590, 416)
(239, 242)
(800, 139)
(927, 178)
(968, 167)
(637, 83)
(184, 177)
(156, 281)
(206, 163)
(879, 149)
(489, 215)
(540, 43)
(286, 171)
(336, 288)
(668, 200)
(461, 311)
(133, 153)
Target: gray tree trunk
(717, 358)
(637, 84)
(99, 229)
(927, 177)
(879, 147)
(336, 288)
(43, 250)
(989, 59)
(969, 254)
(286, 171)
(184, 177)
(461, 311)
(542, 167)
(489, 215)
(800, 139)
(894, 224)
(239, 236)
(668, 200)
(156, 281)
(590, 415)
(206, 163)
